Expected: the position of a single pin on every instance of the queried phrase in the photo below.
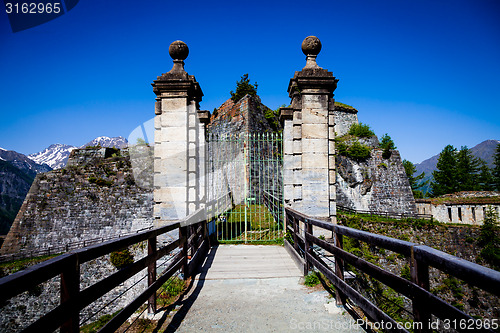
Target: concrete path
(246, 288)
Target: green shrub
(361, 130)
(120, 259)
(311, 279)
(342, 149)
(358, 151)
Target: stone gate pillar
(309, 148)
(179, 151)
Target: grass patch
(18, 265)
(98, 324)
(169, 291)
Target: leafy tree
(415, 182)
(243, 87)
(445, 178)
(496, 169)
(466, 170)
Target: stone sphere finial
(178, 50)
(311, 46)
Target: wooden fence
(193, 241)
(47, 251)
(425, 304)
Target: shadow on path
(188, 297)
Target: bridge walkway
(254, 288)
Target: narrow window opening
(449, 213)
(473, 210)
(459, 213)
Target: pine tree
(484, 178)
(415, 182)
(496, 169)
(466, 171)
(445, 179)
(387, 145)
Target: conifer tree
(466, 170)
(244, 87)
(485, 179)
(445, 179)
(496, 169)
(415, 182)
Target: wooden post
(152, 274)
(183, 234)
(70, 288)
(307, 246)
(420, 276)
(339, 268)
(295, 233)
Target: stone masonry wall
(376, 184)
(344, 118)
(96, 200)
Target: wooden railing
(47, 251)
(424, 303)
(392, 215)
(193, 241)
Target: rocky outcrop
(376, 184)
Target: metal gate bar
(244, 169)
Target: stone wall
(344, 118)
(245, 116)
(376, 184)
(98, 199)
(461, 208)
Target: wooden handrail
(425, 303)
(66, 315)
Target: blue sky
(426, 72)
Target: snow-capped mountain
(55, 155)
(104, 141)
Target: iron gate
(244, 186)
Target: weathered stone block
(315, 145)
(315, 131)
(173, 119)
(174, 104)
(314, 116)
(297, 132)
(297, 146)
(315, 161)
(297, 192)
